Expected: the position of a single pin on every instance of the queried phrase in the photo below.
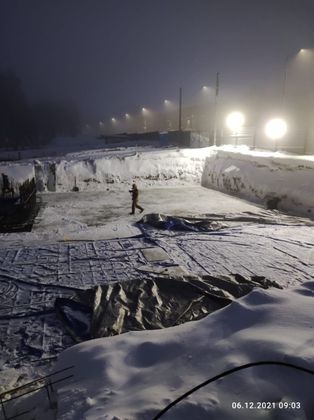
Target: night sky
(115, 56)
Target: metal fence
(46, 382)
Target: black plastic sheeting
(161, 221)
(214, 221)
(150, 304)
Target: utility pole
(215, 109)
(180, 109)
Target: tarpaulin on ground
(214, 221)
(161, 221)
(149, 304)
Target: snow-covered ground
(81, 239)
(105, 215)
(135, 375)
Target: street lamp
(127, 122)
(275, 129)
(168, 110)
(285, 74)
(235, 121)
(101, 126)
(114, 123)
(145, 113)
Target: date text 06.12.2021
(266, 405)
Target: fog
(115, 57)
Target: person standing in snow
(134, 191)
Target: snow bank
(259, 176)
(135, 375)
(96, 172)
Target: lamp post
(168, 110)
(206, 93)
(275, 129)
(285, 72)
(127, 121)
(144, 113)
(216, 107)
(235, 121)
(180, 109)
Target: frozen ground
(105, 214)
(74, 213)
(33, 275)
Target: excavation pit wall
(274, 180)
(258, 176)
(93, 174)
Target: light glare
(275, 128)
(235, 120)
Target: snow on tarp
(148, 304)
(162, 221)
(135, 375)
(214, 222)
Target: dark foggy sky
(114, 56)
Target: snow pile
(96, 172)
(135, 375)
(261, 176)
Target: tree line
(24, 125)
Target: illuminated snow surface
(83, 239)
(135, 375)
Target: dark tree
(55, 119)
(16, 123)
(22, 125)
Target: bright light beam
(276, 128)
(235, 121)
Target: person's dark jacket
(134, 192)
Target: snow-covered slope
(135, 375)
(259, 176)
(93, 171)
(161, 165)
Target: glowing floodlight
(113, 120)
(235, 121)
(144, 109)
(275, 128)
(127, 116)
